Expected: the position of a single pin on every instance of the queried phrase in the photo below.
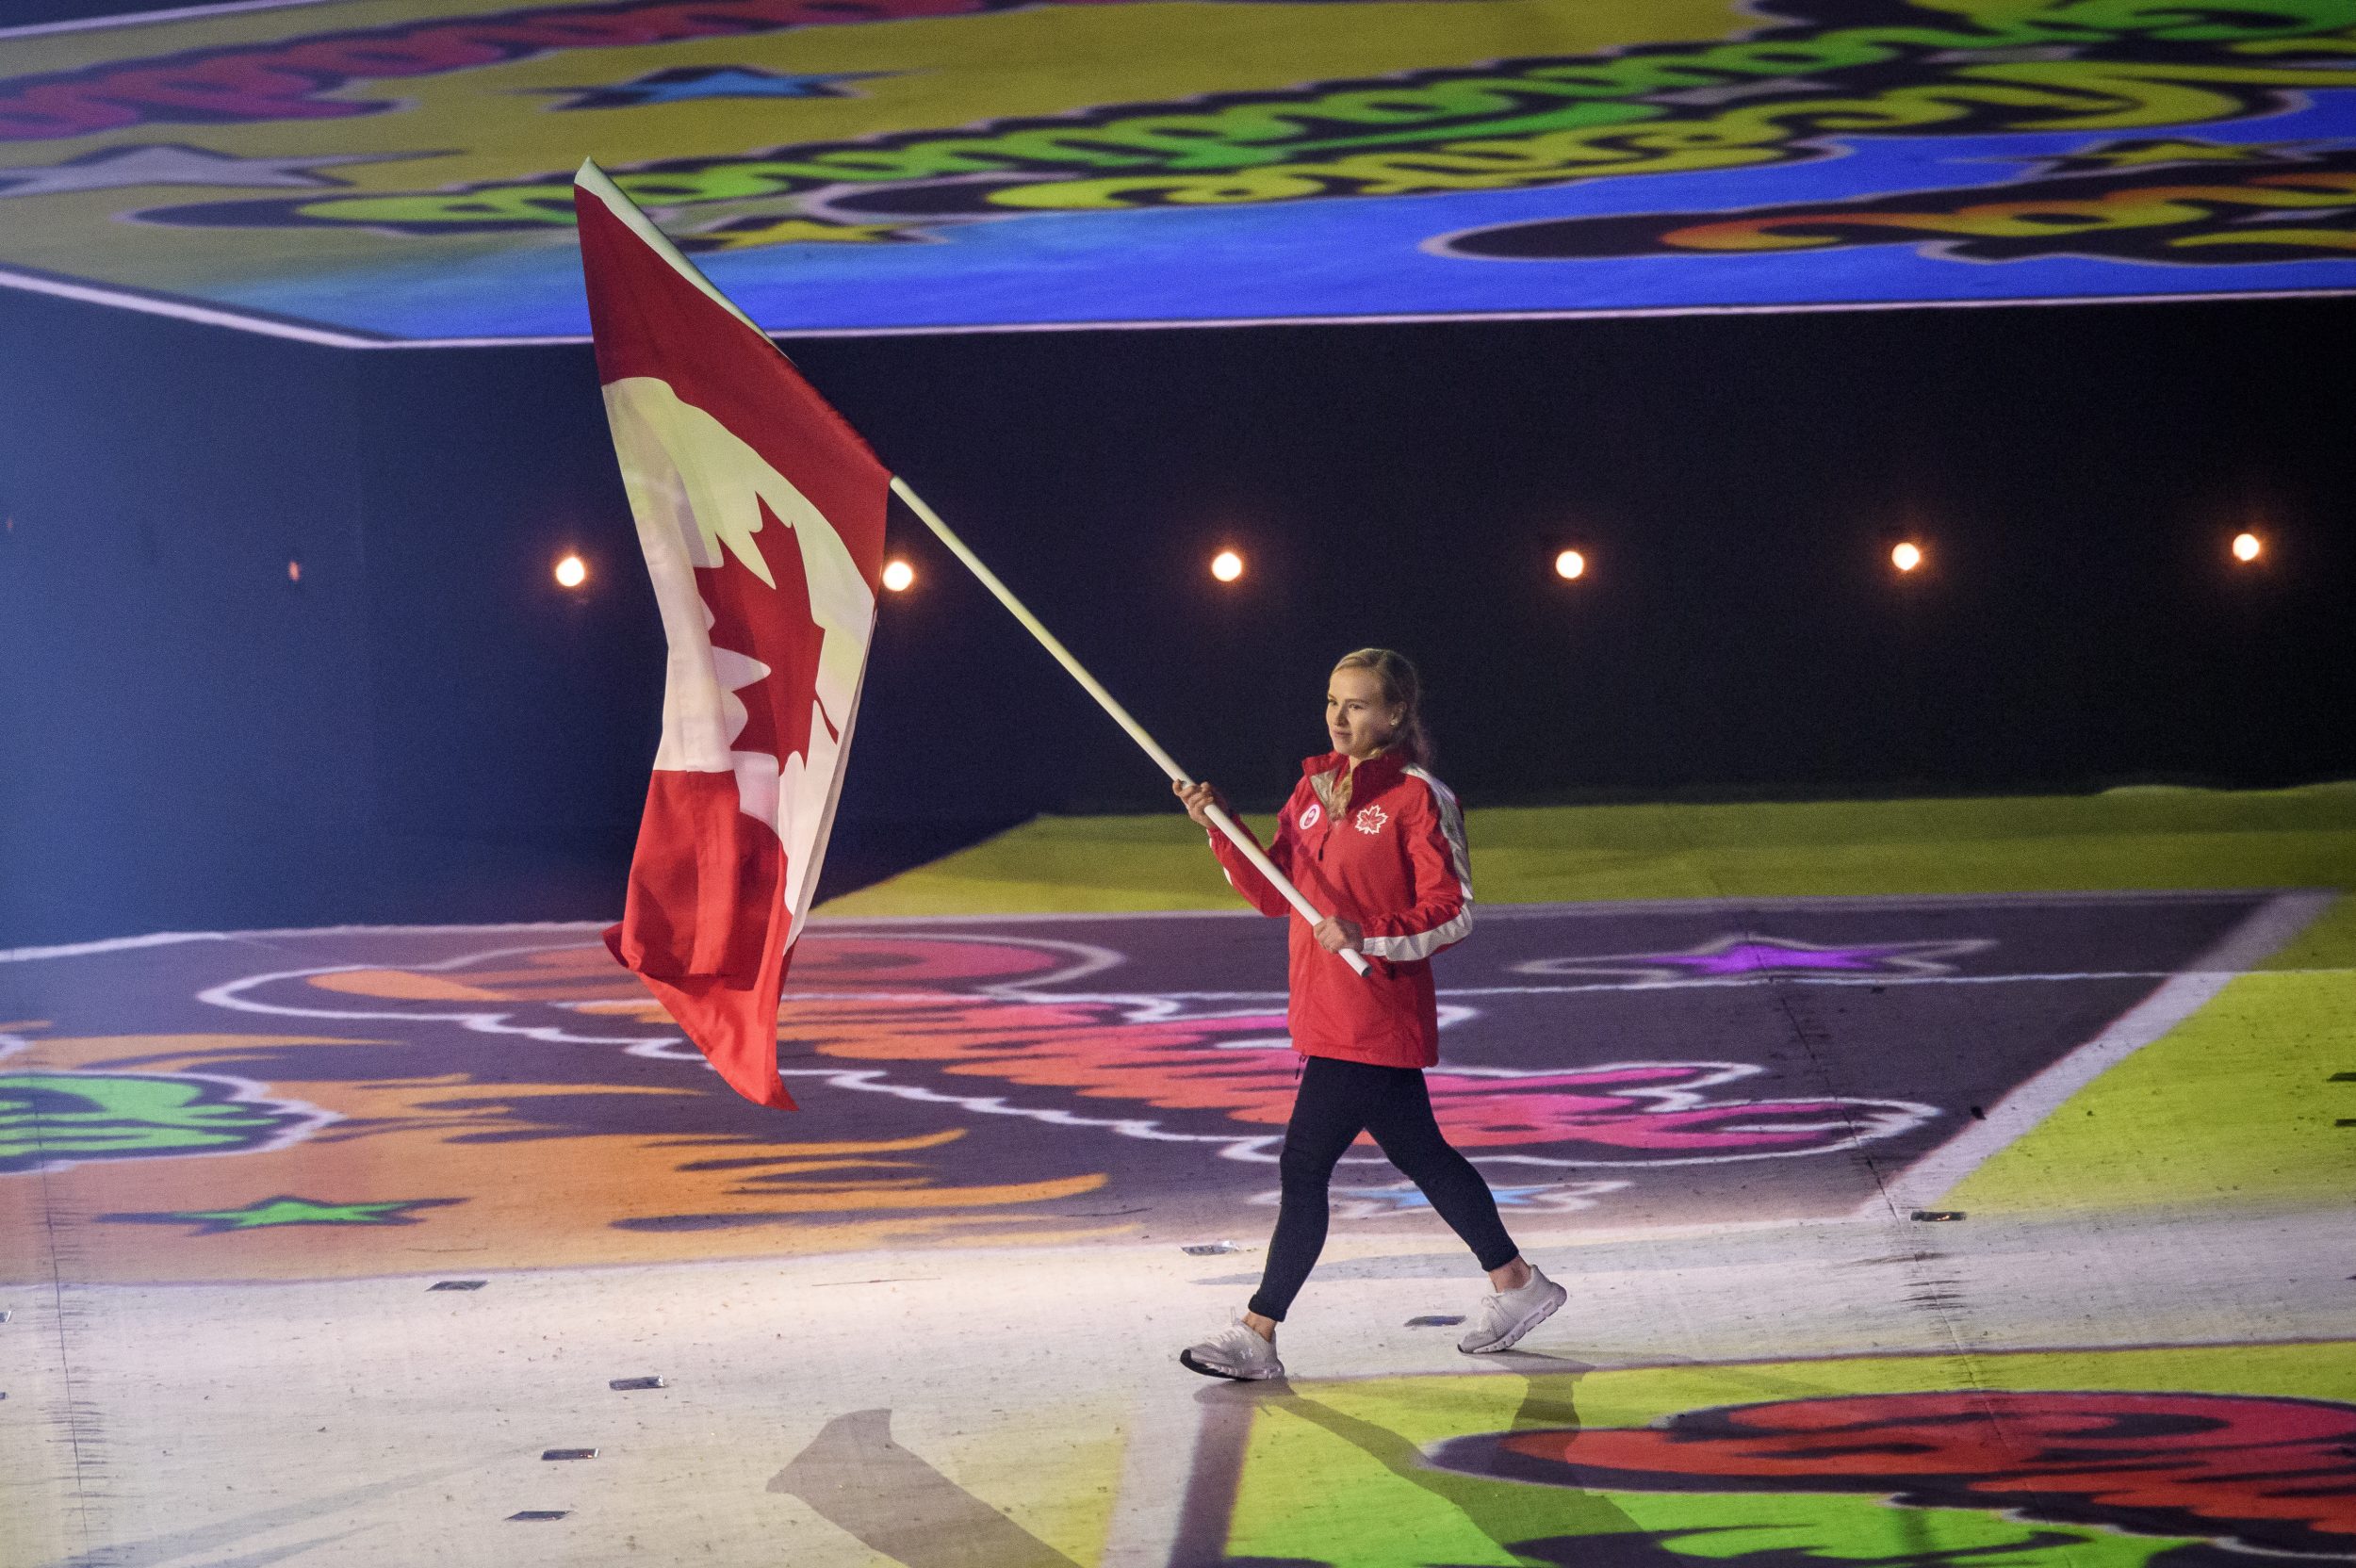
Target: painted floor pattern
(321, 1247)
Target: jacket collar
(1373, 773)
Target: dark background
(425, 728)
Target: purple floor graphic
(1021, 1079)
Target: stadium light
(898, 575)
(2247, 546)
(1907, 555)
(1227, 565)
(571, 572)
(1570, 564)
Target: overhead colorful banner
(399, 170)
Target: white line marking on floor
(836, 924)
(161, 939)
(2264, 933)
(1148, 1505)
(1737, 982)
(1796, 903)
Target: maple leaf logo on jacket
(1370, 820)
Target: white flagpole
(1226, 824)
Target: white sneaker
(1505, 1315)
(1238, 1351)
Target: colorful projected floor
(1900, 1228)
(363, 171)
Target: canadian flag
(761, 516)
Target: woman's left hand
(1336, 935)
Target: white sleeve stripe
(1451, 825)
(1406, 950)
(1422, 945)
(1213, 837)
(1229, 875)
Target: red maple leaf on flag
(761, 513)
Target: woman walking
(1373, 838)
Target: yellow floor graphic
(1987, 1217)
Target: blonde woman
(1373, 838)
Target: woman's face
(1357, 719)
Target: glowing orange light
(898, 575)
(1570, 564)
(1227, 565)
(294, 571)
(572, 572)
(1907, 556)
(2247, 546)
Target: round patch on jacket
(1309, 813)
(1371, 818)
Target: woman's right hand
(1197, 799)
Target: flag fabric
(761, 516)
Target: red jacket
(1395, 863)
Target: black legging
(1336, 1102)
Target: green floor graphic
(932, 1317)
(2123, 839)
(2237, 1102)
(1344, 1473)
